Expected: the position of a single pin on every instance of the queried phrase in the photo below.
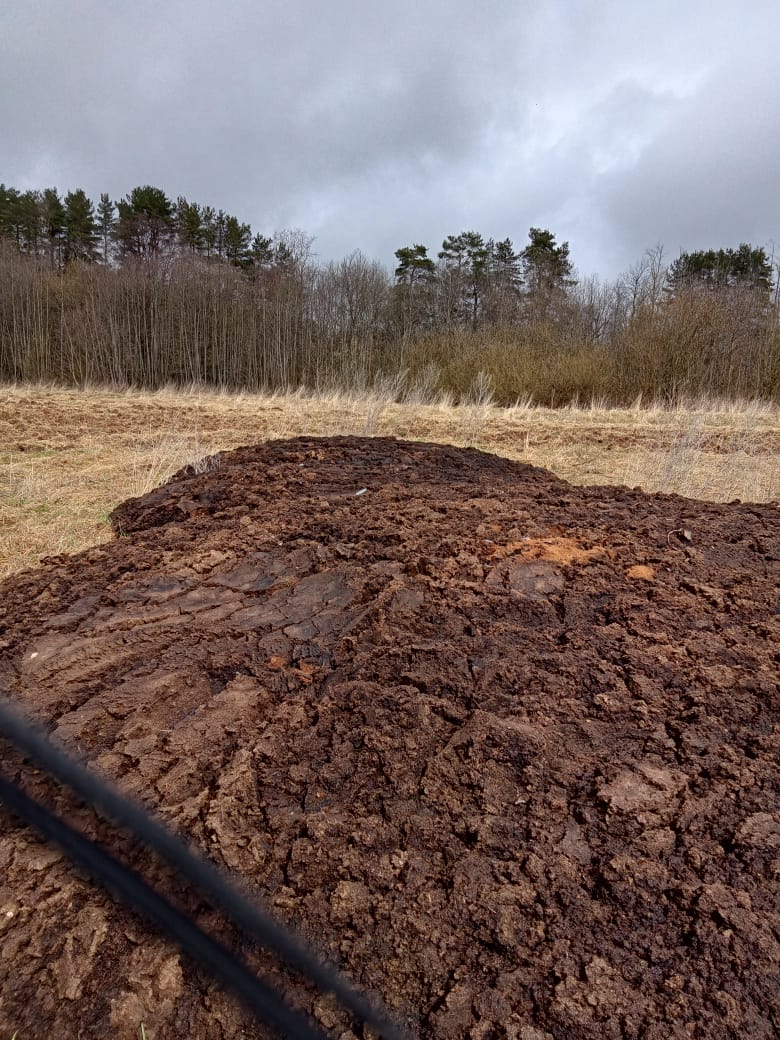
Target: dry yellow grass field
(67, 457)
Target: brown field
(68, 457)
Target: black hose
(141, 824)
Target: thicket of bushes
(181, 320)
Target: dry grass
(67, 457)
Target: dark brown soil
(506, 749)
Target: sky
(618, 125)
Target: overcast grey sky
(615, 123)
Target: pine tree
(284, 257)
(237, 241)
(106, 223)
(146, 225)
(9, 201)
(505, 264)
(718, 269)
(505, 280)
(189, 225)
(81, 228)
(220, 230)
(415, 278)
(29, 221)
(53, 214)
(414, 265)
(262, 251)
(209, 229)
(463, 263)
(547, 272)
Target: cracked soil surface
(506, 750)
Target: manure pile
(506, 750)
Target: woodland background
(150, 292)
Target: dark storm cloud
(710, 175)
(373, 125)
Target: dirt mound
(506, 749)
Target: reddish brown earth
(508, 750)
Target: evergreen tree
(465, 251)
(146, 223)
(220, 230)
(414, 265)
(29, 221)
(505, 264)
(237, 241)
(189, 225)
(81, 228)
(415, 277)
(284, 257)
(9, 202)
(262, 251)
(209, 229)
(751, 267)
(53, 214)
(505, 279)
(463, 262)
(717, 269)
(547, 272)
(15, 220)
(106, 221)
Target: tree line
(147, 290)
(145, 224)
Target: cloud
(373, 126)
(709, 177)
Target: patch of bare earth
(506, 749)
(68, 457)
